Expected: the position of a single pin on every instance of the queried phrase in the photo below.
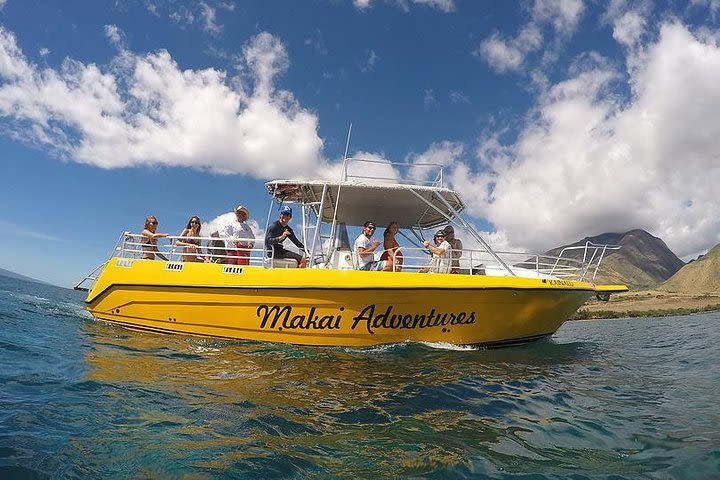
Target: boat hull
(329, 307)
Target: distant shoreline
(648, 303)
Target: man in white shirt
(364, 248)
(239, 238)
(441, 259)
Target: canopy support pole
(459, 220)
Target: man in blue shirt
(276, 234)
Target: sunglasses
(371, 228)
(154, 222)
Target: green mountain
(644, 261)
(701, 276)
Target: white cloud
(429, 98)
(563, 15)
(445, 6)
(145, 110)
(502, 55)
(114, 35)
(370, 61)
(2, 4)
(712, 5)
(509, 55)
(586, 163)
(202, 13)
(317, 42)
(457, 96)
(208, 14)
(628, 28)
(182, 16)
(427, 165)
(44, 52)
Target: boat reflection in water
(290, 410)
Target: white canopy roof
(409, 205)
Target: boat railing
(407, 173)
(522, 264)
(177, 249)
(578, 263)
(87, 283)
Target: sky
(554, 119)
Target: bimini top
(409, 205)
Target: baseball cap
(440, 233)
(241, 208)
(285, 210)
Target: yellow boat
(496, 298)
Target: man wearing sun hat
(239, 238)
(276, 234)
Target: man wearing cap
(365, 248)
(239, 238)
(276, 234)
(440, 262)
(456, 246)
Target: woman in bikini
(150, 238)
(391, 248)
(191, 246)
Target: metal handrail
(436, 182)
(215, 251)
(503, 263)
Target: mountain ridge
(701, 276)
(643, 261)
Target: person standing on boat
(440, 262)
(276, 234)
(150, 238)
(364, 247)
(239, 238)
(456, 246)
(391, 248)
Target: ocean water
(633, 398)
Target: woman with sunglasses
(150, 238)
(192, 252)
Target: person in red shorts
(239, 238)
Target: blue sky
(556, 119)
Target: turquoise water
(603, 399)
